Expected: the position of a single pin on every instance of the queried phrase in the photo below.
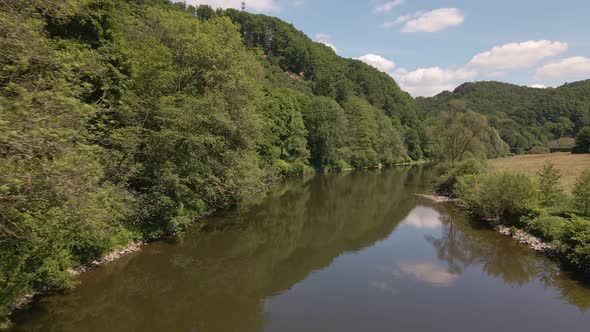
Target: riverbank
(27, 300)
(519, 235)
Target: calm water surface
(345, 252)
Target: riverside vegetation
(124, 120)
(536, 204)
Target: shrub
(582, 192)
(499, 194)
(450, 174)
(548, 228)
(576, 238)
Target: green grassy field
(570, 165)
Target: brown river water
(356, 251)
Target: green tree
(583, 141)
(549, 187)
(582, 192)
(459, 132)
(326, 124)
(284, 134)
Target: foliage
(326, 123)
(549, 184)
(449, 174)
(548, 228)
(582, 192)
(576, 238)
(583, 141)
(122, 120)
(460, 133)
(524, 116)
(498, 195)
(493, 144)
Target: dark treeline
(123, 120)
(525, 117)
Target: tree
(582, 192)
(549, 187)
(459, 131)
(583, 141)
(325, 122)
(494, 144)
(284, 136)
(362, 133)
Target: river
(355, 251)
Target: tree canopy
(524, 117)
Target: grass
(570, 165)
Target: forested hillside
(123, 120)
(524, 116)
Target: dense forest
(525, 117)
(124, 120)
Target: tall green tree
(459, 132)
(326, 123)
(549, 187)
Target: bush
(446, 182)
(548, 228)
(576, 239)
(499, 194)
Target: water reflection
(464, 243)
(427, 272)
(423, 217)
(311, 244)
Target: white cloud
(388, 6)
(574, 68)
(426, 272)
(423, 217)
(256, 5)
(518, 55)
(432, 21)
(324, 38)
(537, 86)
(401, 19)
(428, 82)
(378, 62)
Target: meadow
(570, 165)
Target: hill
(524, 116)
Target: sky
(429, 46)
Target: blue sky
(431, 46)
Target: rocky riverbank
(25, 301)
(519, 235)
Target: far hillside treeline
(525, 117)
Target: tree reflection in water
(466, 242)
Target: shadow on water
(219, 277)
